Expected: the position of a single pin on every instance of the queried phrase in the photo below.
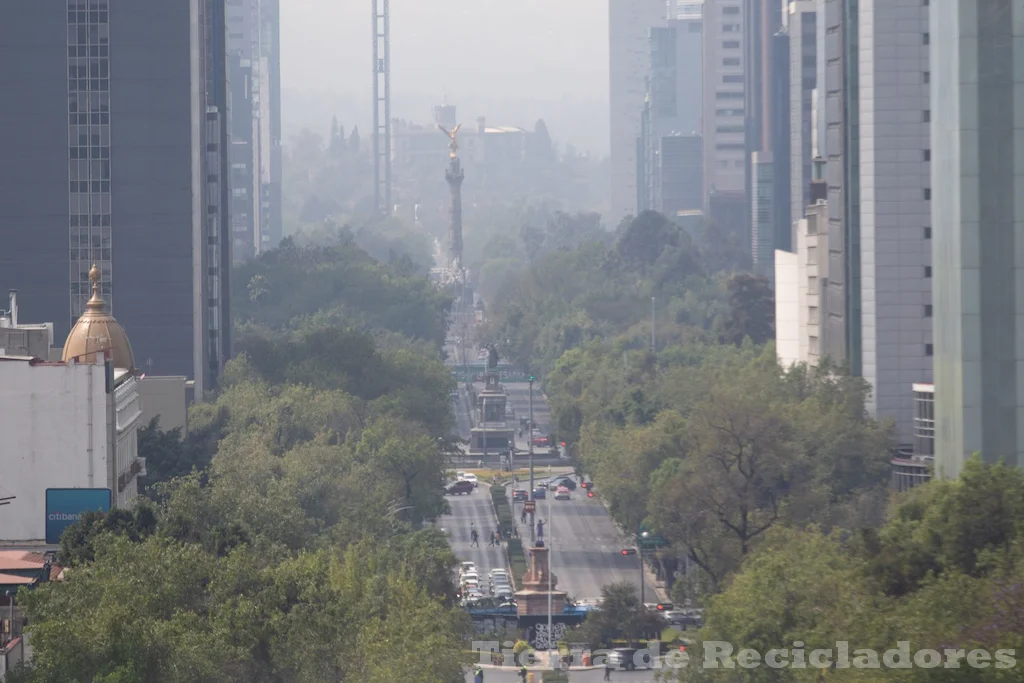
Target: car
(467, 567)
(496, 572)
(540, 492)
(460, 487)
(469, 576)
(504, 594)
(562, 481)
(520, 495)
(628, 658)
(562, 493)
(498, 583)
(470, 477)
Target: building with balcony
(908, 472)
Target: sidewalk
(543, 664)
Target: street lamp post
(529, 438)
(483, 424)
(641, 539)
(551, 552)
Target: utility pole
(551, 553)
(529, 438)
(653, 349)
(483, 423)
(640, 537)
(382, 105)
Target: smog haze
(512, 62)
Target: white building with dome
(71, 424)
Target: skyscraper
(114, 136)
(629, 23)
(724, 122)
(801, 25)
(978, 229)
(255, 74)
(670, 155)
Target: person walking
(474, 538)
(607, 671)
(522, 673)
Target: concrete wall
(787, 308)
(53, 426)
(164, 397)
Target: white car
(498, 572)
(467, 567)
(470, 477)
(469, 576)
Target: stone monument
(532, 599)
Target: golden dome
(96, 332)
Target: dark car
(540, 492)
(458, 487)
(563, 481)
(628, 658)
(520, 495)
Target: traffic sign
(530, 505)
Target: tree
(621, 617)
(752, 309)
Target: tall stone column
(455, 175)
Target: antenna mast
(382, 100)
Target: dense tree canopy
(943, 571)
(287, 536)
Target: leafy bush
(517, 559)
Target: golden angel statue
(453, 144)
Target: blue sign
(65, 506)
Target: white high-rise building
(629, 24)
(724, 93)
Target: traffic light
(585, 485)
(531, 378)
(590, 494)
(661, 608)
(563, 444)
(629, 551)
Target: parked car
(460, 487)
(520, 495)
(562, 493)
(540, 492)
(627, 658)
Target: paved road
(519, 399)
(587, 546)
(474, 508)
(463, 421)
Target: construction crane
(382, 105)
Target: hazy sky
(513, 61)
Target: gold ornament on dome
(97, 334)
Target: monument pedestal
(532, 600)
